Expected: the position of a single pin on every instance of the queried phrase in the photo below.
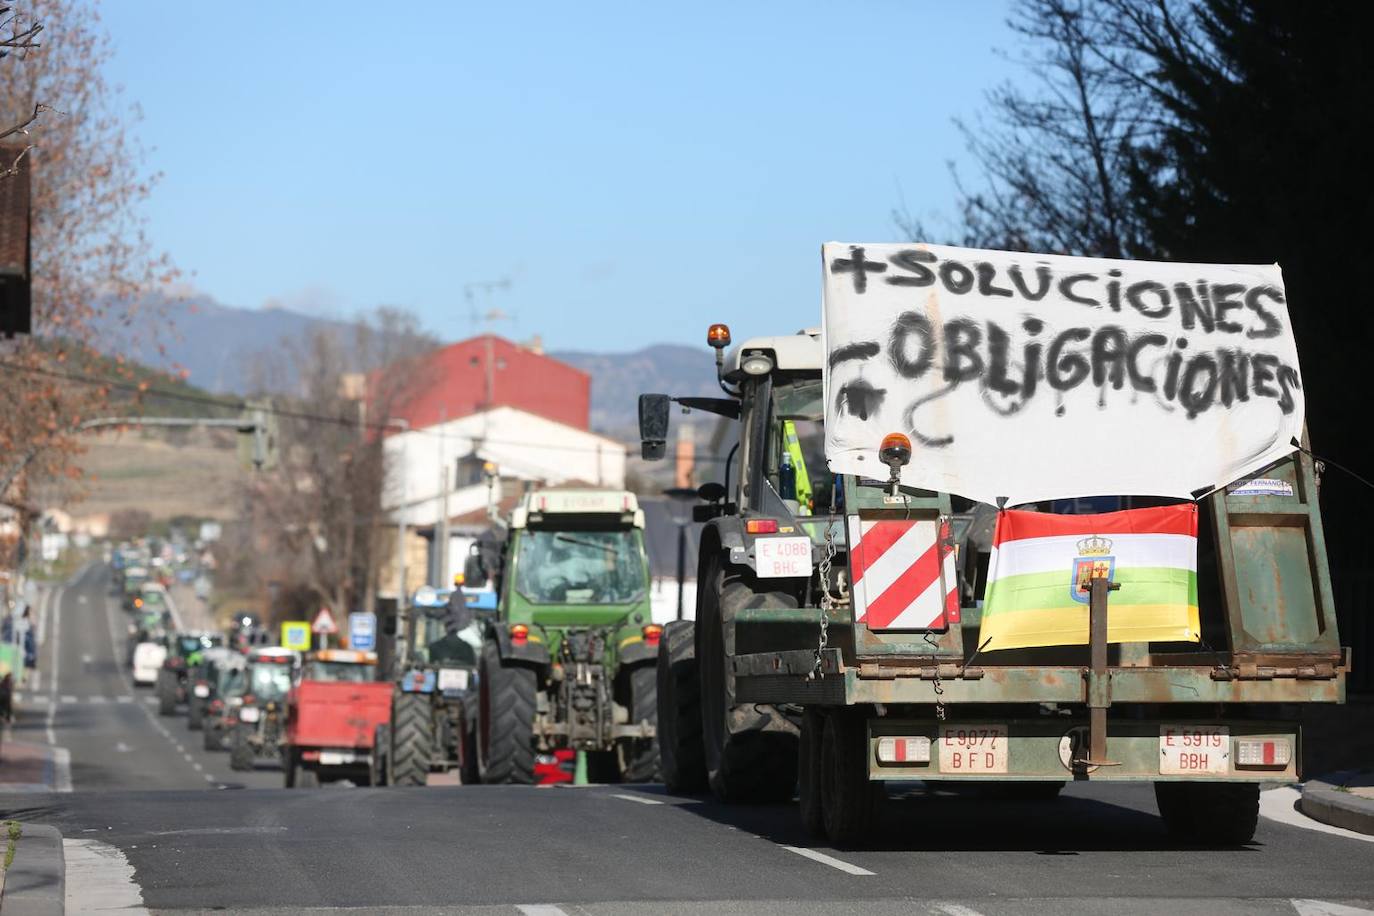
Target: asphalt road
(618, 849)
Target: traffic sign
(362, 631)
(324, 622)
(295, 634)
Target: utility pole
(441, 530)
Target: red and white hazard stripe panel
(902, 573)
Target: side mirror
(653, 425)
(474, 574)
(711, 491)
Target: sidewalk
(1343, 799)
(35, 882)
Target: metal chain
(939, 691)
(827, 601)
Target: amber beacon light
(895, 452)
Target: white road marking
(68, 699)
(953, 909)
(151, 701)
(1322, 908)
(99, 699)
(824, 859)
(540, 909)
(124, 698)
(50, 734)
(1281, 805)
(122, 748)
(37, 680)
(638, 798)
(99, 879)
(209, 777)
(189, 758)
(62, 769)
(197, 767)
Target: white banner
(1030, 377)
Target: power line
(240, 405)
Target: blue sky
(638, 170)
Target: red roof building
(489, 371)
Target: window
(580, 567)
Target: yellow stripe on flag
(1060, 626)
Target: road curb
(1323, 800)
(35, 884)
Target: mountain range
(220, 345)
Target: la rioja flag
(1037, 577)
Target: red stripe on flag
(909, 585)
(873, 543)
(1017, 524)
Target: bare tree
(91, 261)
(1055, 151)
(20, 38)
(321, 509)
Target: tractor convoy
(903, 574)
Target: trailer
(841, 638)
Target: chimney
(686, 457)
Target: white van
(148, 657)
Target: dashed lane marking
(124, 698)
(824, 859)
(638, 798)
(98, 699)
(209, 777)
(68, 699)
(540, 909)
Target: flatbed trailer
(775, 682)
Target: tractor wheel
(751, 748)
(1209, 813)
(240, 752)
(849, 800)
(505, 720)
(212, 740)
(809, 771)
(639, 756)
(412, 740)
(195, 714)
(376, 761)
(166, 694)
(682, 756)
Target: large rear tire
(166, 693)
(639, 760)
(849, 800)
(376, 760)
(213, 740)
(751, 748)
(505, 720)
(1209, 813)
(195, 714)
(412, 740)
(682, 755)
(809, 782)
(241, 755)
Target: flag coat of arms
(1038, 574)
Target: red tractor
(332, 714)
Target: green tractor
(568, 660)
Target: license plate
(453, 679)
(336, 758)
(1186, 750)
(973, 749)
(201, 690)
(782, 558)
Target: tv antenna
(483, 290)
